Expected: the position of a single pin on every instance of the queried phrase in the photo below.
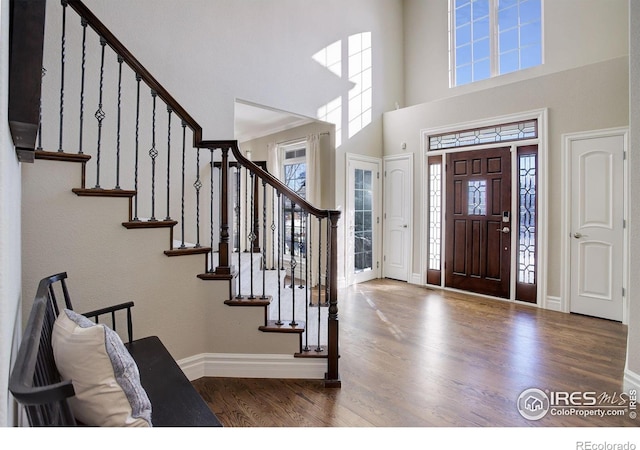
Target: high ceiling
(253, 121)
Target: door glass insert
(477, 205)
(527, 219)
(363, 221)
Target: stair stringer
(108, 264)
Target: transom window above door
(493, 37)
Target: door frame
(410, 158)
(567, 140)
(377, 235)
(543, 203)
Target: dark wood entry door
(479, 222)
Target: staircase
(106, 118)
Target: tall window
(294, 172)
(494, 37)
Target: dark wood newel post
(224, 267)
(332, 378)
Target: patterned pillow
(104, 375)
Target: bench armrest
(95, 315)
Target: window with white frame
(493, 37)
(294, 176)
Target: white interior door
(398, 181)
(363, 219)
(597, 226)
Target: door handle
(578, 235)
(504, 230)
(405, 226)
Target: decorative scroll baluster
(197, 185)
(273, 231)
(264, 243)
(84, 24)
(137, 145)
(301, 245)
(63, 46)
(238, 218)
(169, 111)
(246, 207)
(293, 264)
(100, 115)
(120, 61)
(184, 148)
(279, 321)
(252, 237)
(153, 153)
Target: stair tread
(99, 192)
(149, 224)
(273, 327)
(62, 156)
(313, 353)
(257, 301)
(187, 251)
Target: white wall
(10, 233)
(632, 375)
(576, 33)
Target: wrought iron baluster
(169, 112)
(307, 297)
(120, 61)
(100, 115)
(301, 245)
(293, 264)
(279, 322)
(44, 72)
(137, 145)
(264, 239)
(246, 207)
(84, 24)
(319, 348)
(184, 148)
(211, 210)
(63, 47)
(273, 231)
(252, 237)
(197, 185)
(238, 219)
(153, 154)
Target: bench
(36, 383)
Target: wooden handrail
(137, 67)
(270, 179)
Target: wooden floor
(416, 357)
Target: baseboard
(416, 278)
(553, 303)
(236, 365)
(631, 381)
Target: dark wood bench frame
(36, 383)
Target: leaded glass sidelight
(527, 219)
(435, 216)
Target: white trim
(543, 192)
(631, 380)
(565, 242)
(553, 303)
(417, 278)
(240, 365)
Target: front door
(597, 226)
(478, 224)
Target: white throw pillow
(104, 375)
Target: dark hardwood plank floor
(417, 357)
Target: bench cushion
(104, 376)
(175, 401)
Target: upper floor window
(494, 37)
